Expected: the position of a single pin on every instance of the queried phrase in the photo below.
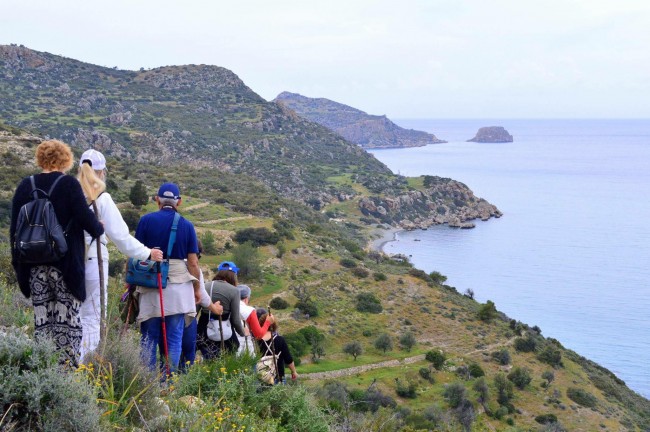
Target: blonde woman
(92, 175)
(57, 288)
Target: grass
(334, 289)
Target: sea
(571, 253)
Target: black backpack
(39, 238)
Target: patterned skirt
(56, 313)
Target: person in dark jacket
(273, 342)
(57, 289)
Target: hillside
(207, 121)
(466, 364)
(369, 131)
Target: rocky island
(492, 134)
(368, 131)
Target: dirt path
(196, 206)
(389, 363)
(230, 219)
(360, 369)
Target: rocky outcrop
(368, 131)
(444, 201)
(492, 134)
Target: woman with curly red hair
(57, 288)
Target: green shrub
(549, 376)
(504, 389)
(308, 307)
(475, 370)
(367, 302)
(407, 341)
(407, 390)
(360, 272)
(278, 303)
(527, 344)
(425, 373)
(481, 388)
(438, 277)
(353, 348)
(131, 217)
(36, 394)
(437, 358)
(138, 194)
(520, 377)
(379, 277)
(487, 312)
(581, 397)
(546, 418)
(502, 356)
(420, 274)
(247, 258)
(384, 342)
(257, 236)
(348, 263)
(209, 243)
(550, 355)
(455, 394)
(370, 400)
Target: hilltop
(204, 119)
(369, 131)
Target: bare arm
(193, 268)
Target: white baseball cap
(96, 159)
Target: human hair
(262, 319)
(91, 181)
(170, 202)
(54, 155)
(227, 276)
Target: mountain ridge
(369, 131)
(204, 117)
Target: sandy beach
(379, 237)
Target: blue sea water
(572, 252)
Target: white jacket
(116, 230)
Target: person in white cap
(92, 174)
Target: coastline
(380, 236)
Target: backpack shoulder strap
(34, 190)
(172, 236)
(269, 351)
(49, 193)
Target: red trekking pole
(162, 315)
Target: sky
(406, 59)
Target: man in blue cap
(183, 290)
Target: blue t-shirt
(154, 230)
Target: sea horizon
(570, 252)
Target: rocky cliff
(492, 134)
(369, 131)
(443, 201)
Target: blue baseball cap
(169, 190)
(228, 265)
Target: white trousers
(90, 309)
